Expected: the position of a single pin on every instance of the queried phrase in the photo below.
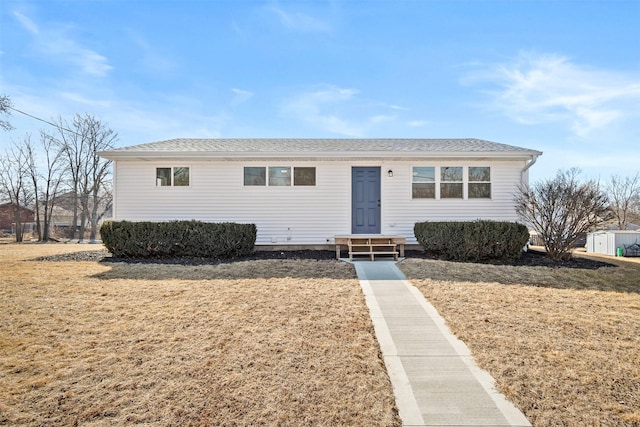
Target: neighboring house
(61, 218)
(62, 214)
(8, 219)
(306, 191)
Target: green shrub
(178, 239)
(472, 241)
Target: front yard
(563, 344)
(250, 343)
(290, 342)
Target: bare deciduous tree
(14, 183)
(71, 143)
(561, 209)
(32, 172)
(46, 177)
(80, 141)
(624, 196)
(5, 106)
(52, 179)
(98, 170)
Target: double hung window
(423, 184)
(479, 182)
(451, 182)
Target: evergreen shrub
(472, 240)
(197, 239)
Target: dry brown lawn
(250, 343)
(562, 344)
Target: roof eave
(339, 155)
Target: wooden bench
(371, 246)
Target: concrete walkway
(435, 380)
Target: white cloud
(55, 44)
(398, 107)
(81, 99)
(300, 21)
(240, 96)
(344, 111)
(26, 22)
(381, 118)
(550, 88)
(319, 107)
(151, 59)
(145, 123)
(417, 123)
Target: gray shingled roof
(287, 147)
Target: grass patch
(250, 343)
(562, 343)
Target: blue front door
(365, 200)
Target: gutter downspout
(526, 167)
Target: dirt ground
(261, 342)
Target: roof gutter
(530, 162)
(200, 155)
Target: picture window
(279, 176)
(304, 176)
(255, 176)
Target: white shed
(607, 242)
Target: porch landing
(371, 245)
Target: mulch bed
(102, 255)
(529, 259)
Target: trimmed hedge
(178, 239)
(472, 241)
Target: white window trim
(439, 181)
(436, 174)
(292, 172)
(490, 182)
(465, 181)
(172, 167)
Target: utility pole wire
(45, 121)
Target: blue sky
(562, 77)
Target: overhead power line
(43, 120)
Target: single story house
(8, 217)
(304, 192)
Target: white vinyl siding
(306, 214)
(400, 211)
(291, 214)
